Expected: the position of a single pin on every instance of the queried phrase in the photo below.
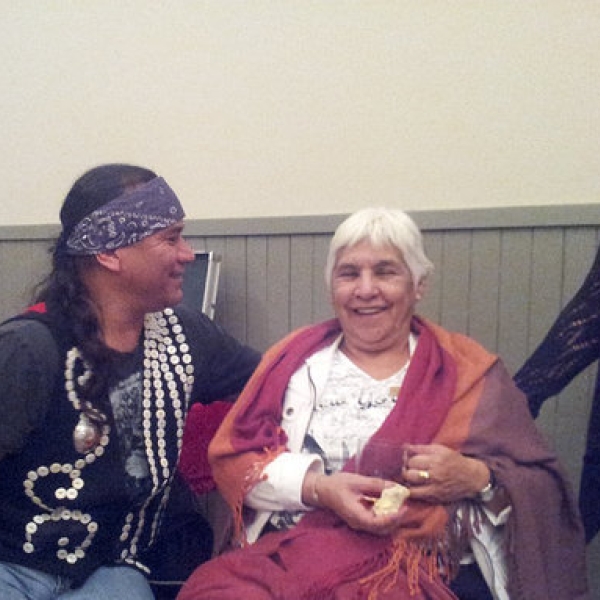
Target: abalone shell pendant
(86, 435)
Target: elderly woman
(490, 513)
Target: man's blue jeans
(106, 583)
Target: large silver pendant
(86, 435)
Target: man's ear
(109, 260)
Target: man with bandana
(96, 379)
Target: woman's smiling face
(373, 296)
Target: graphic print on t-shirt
(126, 401)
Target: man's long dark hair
(67, 300)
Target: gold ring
(424, 475)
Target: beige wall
(299, 107)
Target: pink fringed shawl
(455, 393)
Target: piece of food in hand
(391, 499)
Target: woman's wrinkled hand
(351, 497)
(436, 473)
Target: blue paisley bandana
(127, 219)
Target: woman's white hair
(382, 227)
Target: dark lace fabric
(571, 345)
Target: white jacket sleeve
(489, 549)
(282, 487)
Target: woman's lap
(253, 574)
(254, 577)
